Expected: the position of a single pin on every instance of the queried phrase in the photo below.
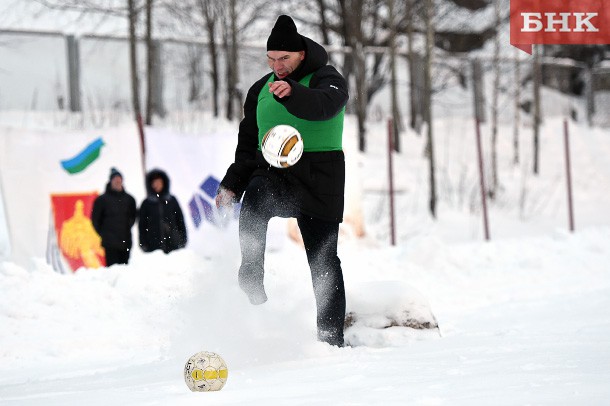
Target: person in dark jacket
(161, 223)
(113, 215)
(306, 93)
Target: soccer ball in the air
(205, 371)
(282, 146)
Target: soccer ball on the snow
(205, 371)
(282, 146)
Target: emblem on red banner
(76, 238)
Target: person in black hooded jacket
(113, 215)
(161, 223)
(306, 93)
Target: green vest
(317, 135)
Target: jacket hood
(315, 58)
(156, 173)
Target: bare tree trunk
(231, 66)
(219, 19)
(227, 60)
(133, 58)
(361, 94)
(210, 12)
(414, 99)
(215, 74)
(194, 55)
(537, 82)
(429, 14)
(396, 119)
(135, 84)
(352, 20)
(493, 189)
(322, 7)
(348, 61)
(149, 62)
(234, 79)
(517, 120)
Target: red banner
(78, 242)
(559, 22)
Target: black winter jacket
(317, 180)
(161, 223)
(113, 215)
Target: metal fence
(89, 75)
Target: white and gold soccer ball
(282, 146)
(205, 371)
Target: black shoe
(257, 297)
(332, 338)
(256, 293)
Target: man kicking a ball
(304, 92)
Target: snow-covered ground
(523, 318)
(522, 322)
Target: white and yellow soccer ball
(282, 146)
(205, 372)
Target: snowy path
(523, 322)
(509, 354)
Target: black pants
(116, 256)
(265, 199)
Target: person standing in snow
(161, 223)
(113, 215)
(305, 92)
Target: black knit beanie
(114, 172)
(284, 36)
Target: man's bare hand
(224, 198)
(280, 88)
